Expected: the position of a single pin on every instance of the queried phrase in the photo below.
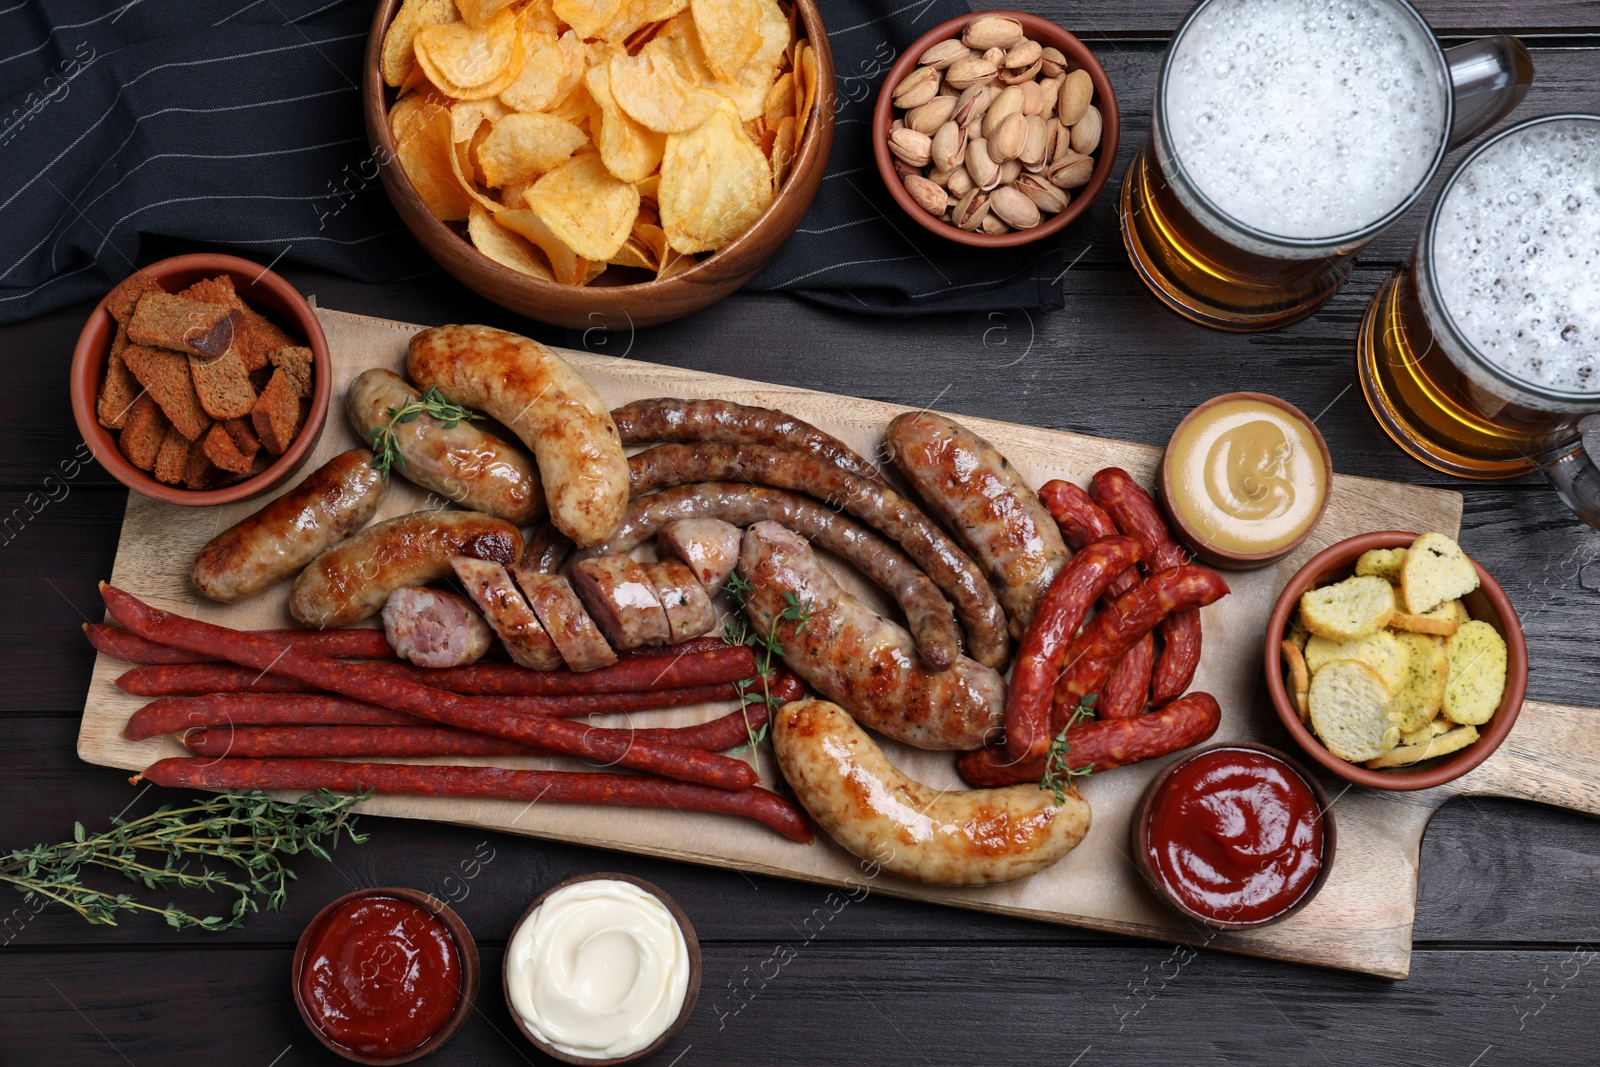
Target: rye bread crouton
(295, 362)
(223, 385)
(277, 414)
(244, 437)
(173, 458)
(122, 299)
(218, 290)
(259, 338)
(219, 446)
(144, 432)
(181, 324)
(200, 473)
(119, 390)
(166, 376)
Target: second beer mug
(1287, 134)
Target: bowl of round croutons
(1395, 660)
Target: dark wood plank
(816, 1004)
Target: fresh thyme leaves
(251, 831)
(1058, 771)
(737, 631)
(386, 444)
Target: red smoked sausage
(341, 644)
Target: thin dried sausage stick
(1044, 645)
(1104, 744)
(1136, 515)
(369, 682)
(1127, 689)
(1081, 521)
(339, 644)
(171, 714)
(929, 614)
(669, 419)
(495, 783)
(1115, 630)
(880, 507)
(198, 679)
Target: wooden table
(1503, 973)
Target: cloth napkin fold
(238, 123)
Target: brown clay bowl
(264, 291)
(471, 972)
(1203, 548)
(605, 303)
(1047, 34)
(1487, 603)
(690, 939)
(1140, 850)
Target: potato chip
(634, 253)
(538, 18)
(630, 151)
(657, 92)
(591, 211)
(783, 150)
(478, 12)
(523, 145)
(673, 265)
(654, 239)
(633, 15)
(729, 34)
(780, 101)
(470, 64)
(424, 149)
(587, 17)
(579, 109)
(714, 183)
(553, 68)
(514, 194)
(398, 60)
(564, 263)
(808, 72)
(466, 116)
(505, 247)
(649, 187)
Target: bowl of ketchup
(385, 975)
(1236, 835)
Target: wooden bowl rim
(471, 971)
(93, 350)
(1139, 844)
(1221, 557)
(691, 995)
(1336, 562)
(375, 100)
(1046, 32)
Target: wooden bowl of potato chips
(611, 163)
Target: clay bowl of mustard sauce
(1245, 479)
(602, 969)
(385, 975)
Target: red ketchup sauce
(1236, 835)
(381, 976)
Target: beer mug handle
(1489, 77)
(1574, 475)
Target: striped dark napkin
(237, 123)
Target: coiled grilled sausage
(490, 586)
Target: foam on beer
(1305, 118)
(1516, 253)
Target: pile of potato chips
(572, 135)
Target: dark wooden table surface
(1504, 971)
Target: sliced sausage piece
(547, 549)
(333, 502)
(433, 628)
(708, 547)
(491, 588)
(683, 598)
(564, 619)
(621, 600)
(981, 498)
(854, 656)
(350, 581)
(471, 468)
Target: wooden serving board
(1362, 919)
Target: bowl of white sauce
(602, 969)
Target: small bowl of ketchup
(1236, 836)
(385, 975)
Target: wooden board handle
(1552, 756)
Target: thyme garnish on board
(386, 444)
(173, 847)
(738, 632)
(1058, 772)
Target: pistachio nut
(926, 193)
(1010, 170)
(1055, 64)
(984, 170)
(992, 31)
(902, 168)
(1086, 131)
(930, 116)
(965, 73)
(1008, 102)
(911, 147)
(1023, 54)
(1033, 97)
(1071, 170)
(1036, 143)
(949, 146)
(1077, 89)
(969, 212)
(943, 54)
(973, 105)
(1009, 139)
(1017, 77)
(1045, 196)
(1051, 88)
(997, 56)
(960, 183)
(917, 88)
(1014, 208)
(991, 224)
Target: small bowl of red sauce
(385, 975)
(1237, 836)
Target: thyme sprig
(1058, 771)
(386, 443)
(174, 848)
(737, 631)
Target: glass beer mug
(1287, 134)
(1481, 357)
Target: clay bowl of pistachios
(996, 129)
